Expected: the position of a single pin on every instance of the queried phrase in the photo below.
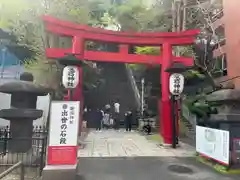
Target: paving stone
(111, 143)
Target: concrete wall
(232, 34)
(42, 103)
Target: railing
(33, 158)
(8, 75)
(12, 168)
(134, 86)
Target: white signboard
(213, 143)
(64, 123)
(176, 84)
(70, 77)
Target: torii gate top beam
(89, 33)
(124, 39)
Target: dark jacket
(98, 115)
(129, 117)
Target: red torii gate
(81, 33)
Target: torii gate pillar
(165, 104)
(78, 48)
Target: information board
(63, 133)
(213, 143)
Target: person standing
(85, 116)
(107, 107)
(128, 121)
(106, 119)
(117, 114)
(102, 118)
(99, 118)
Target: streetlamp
(142, 95)
(176, 86)
(70, 75)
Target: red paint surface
(117, 57)
(70, 29)
(234, 155)
(124, 39)
(166, 122)
(78, 48)
(208, 157)
(62, 155)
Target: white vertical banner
(64, 123)
(213, 143)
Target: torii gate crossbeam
(166, 41)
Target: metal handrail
(134, 85)
(12, 168)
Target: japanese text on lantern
(71, 76)
(64, 120)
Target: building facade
(227, 27)
(10, 65)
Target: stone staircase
(116, 85)
(190, 130)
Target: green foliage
(148, 50)
(133, 15)
(223, 169)
(22, 18)
(197, 105)
(193, 74)
(137, 67)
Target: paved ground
(114, 155)
(127, 144)
(144, 168)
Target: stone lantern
(178, 67)
(22, 111)
(70, 60)
(70, 75)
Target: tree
(134, 16)
(22, 18)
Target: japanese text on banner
(64, 120)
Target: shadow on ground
(146, 168)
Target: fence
(10, 174)
(35, 156)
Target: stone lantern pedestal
(22, 112)
(228, 119)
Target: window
(221, 65)
(224, 65)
